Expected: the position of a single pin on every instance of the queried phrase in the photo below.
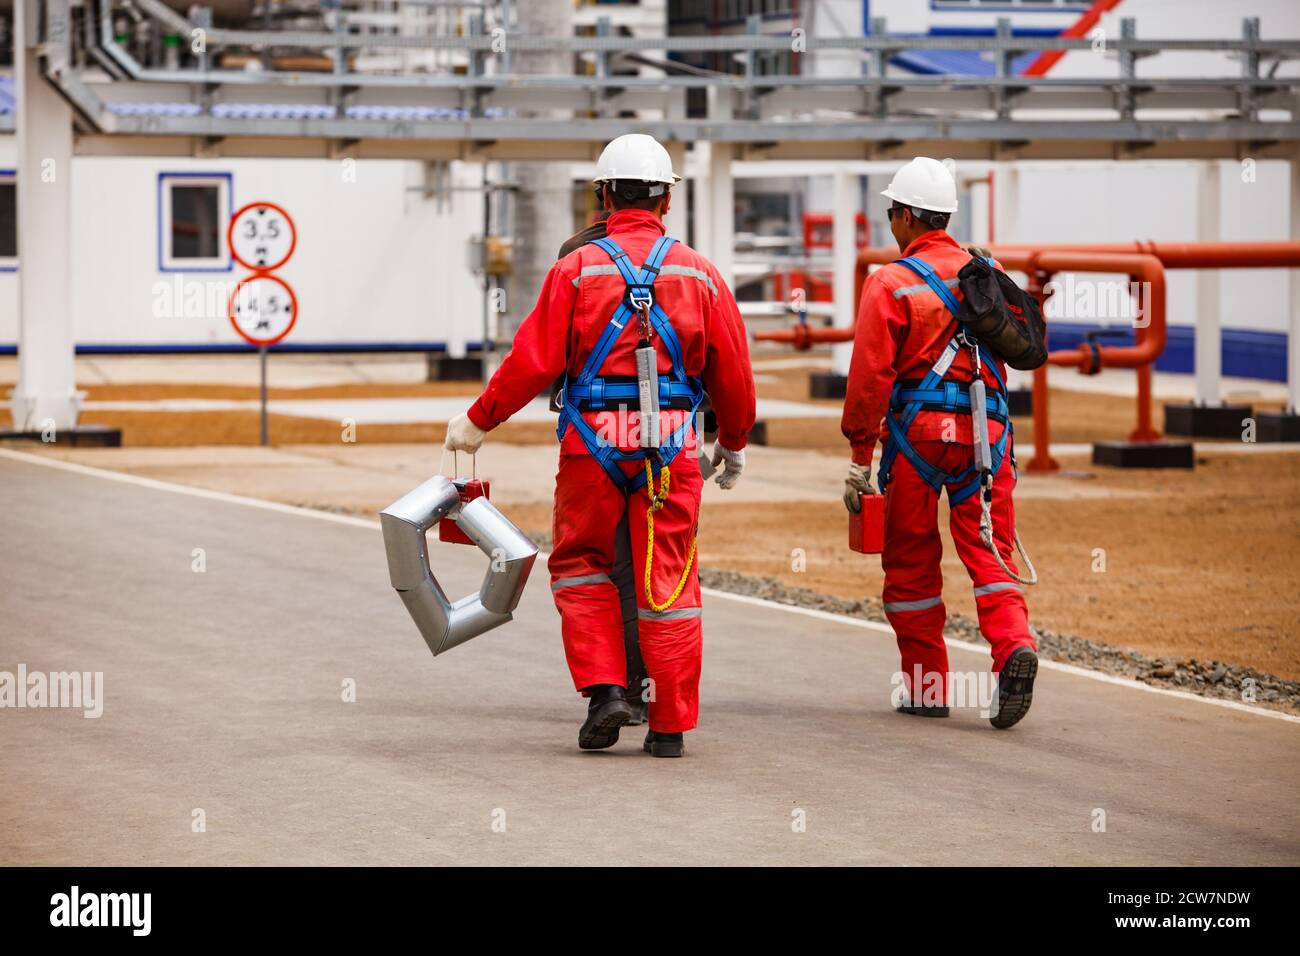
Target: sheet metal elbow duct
(444, 623)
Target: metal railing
(477, 100)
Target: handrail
(720, 43)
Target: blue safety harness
(591, 391)
(938, 393)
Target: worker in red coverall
(581, 294)
(903, 327)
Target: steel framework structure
(483, 111)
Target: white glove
(733, 463)
(857, 483)
(463, 435)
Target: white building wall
(1123, 202)
(1253, 210)
(1188, 20)
(376, 261)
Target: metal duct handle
(455, 464)
(443, 623)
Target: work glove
(857, 483)
(733, 464)
(979, 252)
(463, 435)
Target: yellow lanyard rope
(657, 499)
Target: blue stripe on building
(1247, 353)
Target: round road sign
(263, 309)
(261, 236)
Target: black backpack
(1001, 315)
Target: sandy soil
(185, 429)
(140, 392)
(1202, 564)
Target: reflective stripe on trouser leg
(671, 640)
(587, 510)
(924, 604)
(999, 603)
(914, 583)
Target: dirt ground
(1101, 417)
(1200, 569)
(1212, 573)
(141, 429)
(1200, 564)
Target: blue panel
(967, 62)
(297, 111)
(959, 62)
(1247, 353)
(131, 108)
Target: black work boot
(607, 711)
(640, 707)
(640, 711)
(1015, 688)
(923, 710)
(663, 745)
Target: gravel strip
(1207, 678)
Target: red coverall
(902, 329)
(581, 293)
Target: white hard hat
(635, 157)
(926, 184)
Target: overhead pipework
(444, 76)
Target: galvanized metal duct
(444, 623)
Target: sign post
(262, 309)
(262, 361)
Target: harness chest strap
(590, 390)
(934, 390)
(937, 392)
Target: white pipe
(1208, 344)
(722, 218)
(845, 253)
(675, 221)
(46, 394)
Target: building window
(8, 221)
(194, 210)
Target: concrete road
(223, 702)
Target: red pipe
(1172, 255)
(1189, 255)
(1143, 261)
(1040, 266)
(1049, 58)
(1145, 268)
(1141, 266)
